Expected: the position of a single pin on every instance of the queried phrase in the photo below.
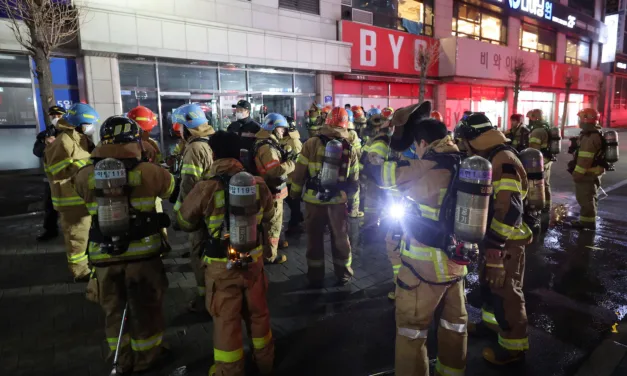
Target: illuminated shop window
(577, 52)
(416, 16)
(412, 16)
(538, 40)
(479, 24)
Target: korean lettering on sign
(496, 60)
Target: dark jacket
(40, 142)
(246, 128)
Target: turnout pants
(353, 205)
(75, 223)
(586, 194)
(393, 248)
(547, 184)
(414, 313)
(50, 215)
(239, 295)
(317, 217)
(142, 284)
(296, 215)
(271, 248)
(197, 243)
(504, 308)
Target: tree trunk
(44, 76)
(423, 86)
(516, 92)
(565, 113)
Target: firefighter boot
(500, 356)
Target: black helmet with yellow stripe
(119, 130)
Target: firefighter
(245, 126)
(129, 270)
(312, 122)
(315, 130)
(238, 293)
(360, 118)
(421, 284)
(62, 159)
(503, 249)
(147, 120)
(586, 168)
(326, 198)
(353, 139)
(273, 164)
(195, 166)
(539, 139)
(437, 116)
(291, 141)
(518, 134)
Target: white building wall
(102, 79)
(235, 31)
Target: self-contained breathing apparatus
(237, 237)
(328, 182)
(554, 146)
(176, 171)
(607, 155)
(277, 184)
(117, 222)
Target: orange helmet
(535, 115)
(144, 117)
(176, 128)
(338, 118)
(436, 115)
(387, 113)
(358, 114)
(589, 116)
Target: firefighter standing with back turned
(328, 170)
(62, 160)
(291, 141)
(518, 133)
(502, 264)
(196, 163)
(273, 164)
(427, 276)
(125, 241)
(147, 120)
(586, 169)
(540, 139)
(232, 204)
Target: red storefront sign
(384, 50)
(374, 88)
(377, 88)
(554, 75)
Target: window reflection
(480, 24)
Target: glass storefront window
(480, 24)
(18, 127)
(302, 115)
(173, 78)
(620, 93)
(270, 82)
(576, 102)
(232, 80)
(538, 40)
(137, 75)
(530, 100)
(304, 84)
(577, 52)
(416, 16)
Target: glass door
(169, 103)
(258, 112)
(209, 105)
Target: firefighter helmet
(387, 113)
(56, 110)
(81, 113)
(358, 114)
(119, 130)
(190, 115)
(272, 121)
(473, 126)
(337, 118)
(589, 116)
(535, 115)
(436, 115)
(144, 117)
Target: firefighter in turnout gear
(427, 277)
(274, 165)
(518, 134)
(312, 123)
(147, 120)
(125, 241)
(62, 160)
(539, 139)
(239, 291)
(328, 171)
(587, 168)
(292, 145)
(195, 165)
(353, 139)
(502, 252)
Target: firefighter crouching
(328, 170)
(587, 168)
(546, 139)
(518, 134)
(62, 160)
(125, 241)
(232, 205)
(502, 262)
(195, 165)
(430, 274)
(291, 143)
(273, 164)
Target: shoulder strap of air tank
(501, 148)
(324, 139)
(224, 180)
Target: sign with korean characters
(470, 58)
(554, 75)
(376, 49)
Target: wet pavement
(575, 287)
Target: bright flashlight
(397, 211)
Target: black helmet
(472, 126)
(56, 110)
(291, 123)
(119, 130)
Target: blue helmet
(274, 120)
(411, 152)
(81, 113)
(351, 117)
(190, 115)
(374, 111)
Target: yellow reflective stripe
(219, 198)
(388, 174)
(296, 187)
(57, 167)
(311, 197)
(209, 260)
(260, 343)
(177, 205)
(79, 163)
(535, 140)
(443, 370)
(143, 247)
(521, 233)
(441, 197)
(143, 203)
(77, 258)
(514, 344)
(147, 344)
(501, 228)
(512, 185)
(135, 178)
(190, 169)
(346, 263)
(113, 341)
(92, 207)
(585, 154)
(182, 221)
(580, 170)
(354, 168)
(587, 219)
(488, 317)
(379, 148)
(314, 167)
(171, 187)
(429, 212)
(67, 201)
(396, 268)
(228, 356)
(214, 221)
(315, 263)
(302, 160)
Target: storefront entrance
(489, 100)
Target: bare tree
(520, 70)
(41, 26)
(569, 81)
(426, 57)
